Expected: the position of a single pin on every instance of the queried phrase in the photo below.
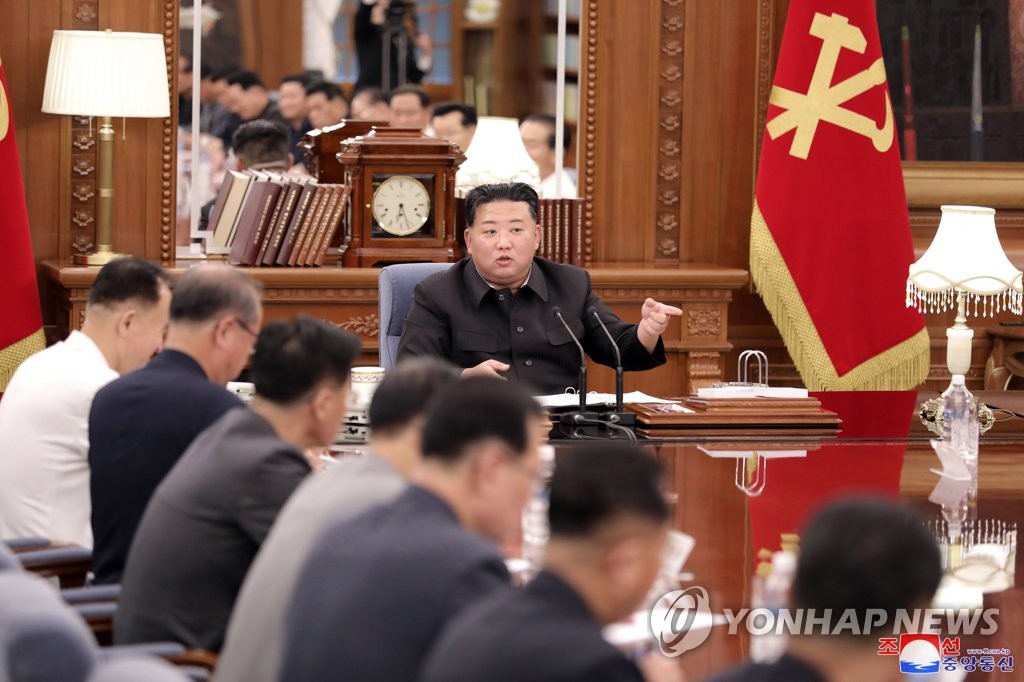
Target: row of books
(572, 8)
(549, 92)
(262, 218)
(549, 51)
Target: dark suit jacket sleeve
(634, 356)
(272, 481)
(426, 330)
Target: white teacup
(364, 382)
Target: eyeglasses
(246, 327)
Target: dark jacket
(456, 315)
(377, 589)
(544, 634)
(139, 425)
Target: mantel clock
(403, 197)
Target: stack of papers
(594, 398)
(751, 392)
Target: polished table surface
(881, 450)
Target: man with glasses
(141, 423)
(212, 512)
(375, 590)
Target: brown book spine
(286, 206)
(248, 220)
(222, 197)
(272, 199)
(314, 216)
(269, 228)
(309, 250)
(306, 203)
(334, 224)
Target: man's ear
(485, 464)
(125, 319)
(469, 242)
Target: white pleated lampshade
(965, 256)
(104, 73)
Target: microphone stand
(585, 424)
(620, 416)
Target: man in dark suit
(141, 423)
(376, 589)
(608, 519)
(494, 312)
(210, 515)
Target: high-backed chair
(396, 286)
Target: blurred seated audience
(370, 104)
(538, 133)
(455, 122)
(291, 103)
(141, 423)
(209, 516)
(44, 414)
(608, 523)
(326, 104)
(410, 107)
(398, 572)
(247, 97)
(346, 489)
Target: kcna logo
(681, 620)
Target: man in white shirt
(44, 439)
(538, 133)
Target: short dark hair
(476, 409)
(592, 485)
(303, 79)
(422, 94)
(500, 191)
(327, 89)
(551, 121)
(246, 79)
(224, 73)
(205, 292)
(469, 117)
(127, 279)
(293, 357)
(866, 553)
(407, 390)
(375, 95)
(261, 141)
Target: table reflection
(743, 501)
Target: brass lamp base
(930, 414)
(99, 258)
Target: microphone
(620, 416)
(592, 311)
(583, 358)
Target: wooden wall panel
(144, 172)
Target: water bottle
(772, 593)
(959, 419)
(535, 514)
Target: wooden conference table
(881, 450)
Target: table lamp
(106, 74)
(965, 267)
(496, 154)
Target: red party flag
(21, 330)
(830, 241)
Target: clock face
(401, 205)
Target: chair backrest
(137, 669)
(396, 286)
(41, 639)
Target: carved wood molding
(703, 322)
(672, 46)
(765, 44)
(81, 176)
(363, 325)
(169, 143)
(586, 135)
